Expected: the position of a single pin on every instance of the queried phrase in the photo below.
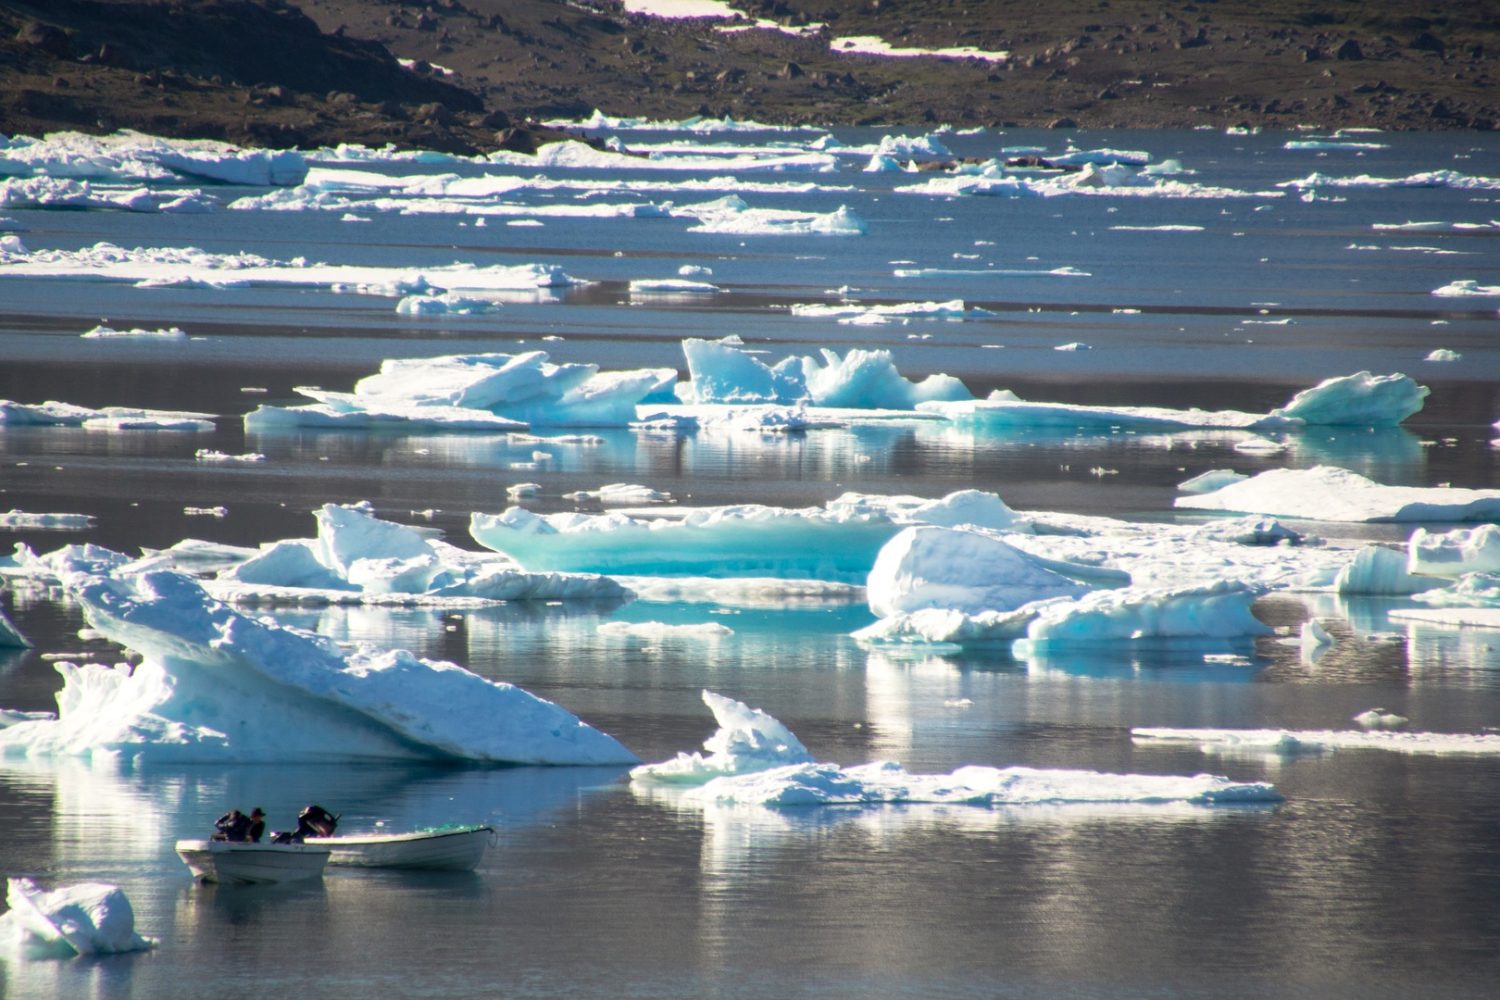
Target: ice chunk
(1472, 590)
(671, 286)
(1454, 553)
(18, 520)
(1207, 482)
(446, 304)
(1376, 569)
(754, 760)
(215, 685)
(659, 631)
(1313, 640)
(1358, 399)
(951, 627)
(934, 567)
(1443, 354)
(864, 315)
(747, 740)
(109, 418)
(1467, 288)
(476, 392)
(1452, 617)
(1379, 718)
(719, 372)
(90, 918)
(1218, 610)
(360, 553)
(171, 334)
(1324, 493)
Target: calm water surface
(1378, 876)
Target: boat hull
(236, 863)
(433, 850)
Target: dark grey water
(1378, 876)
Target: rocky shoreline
(473, 75)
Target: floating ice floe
(1361, 399)
(56, 193)
(214, 685)
(109, 418)
(731, 215)
(1467, 288)
(474, 392)
(1450, 617)
(671, 286)
(838, 542)
(1426, 179)
(1326, 144)
(1112, 179)
(1290, 742)
(1379, 571)
(754, 760)
(20, 520)
(1324, 493)
(870, 315)
(193, 267)
(91, 918)
(127, 156)
(662, 631)
(1379, 718)
(1443, 354)
(720, 372)
(171, 334)
(357, 556)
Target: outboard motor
(313, 821)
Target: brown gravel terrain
(321, 71)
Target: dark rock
(790, 71)
(495, 120)
(434, 113)
(517, 140)
(1063, 122)
(1349, 51)
(48, 37)
(1311, 54)
(1428, 42)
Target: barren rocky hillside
(318, 71)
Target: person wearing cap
(257, 825)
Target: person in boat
(257, 825)
(234, 825)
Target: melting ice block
(1325, 493)
(215, 685)
(91, 918)
(754, 760)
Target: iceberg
(1466, 288)
(358, 554)
(1376, 569)
(1218, 610)
(214, 685)
(720, 372)
(474, 392)
(91, 918)
(871, 315)
(170, 334)
(1207, 482)
(19, 520)
(754, 760)
(837, 543)
(1325, 493)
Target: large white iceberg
(1454, 553)
(216, 685)
(1325, 493)
(755, 761)
(91, 918)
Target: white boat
(450, 848)
(245, 863)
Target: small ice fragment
(1074, 346)
(1379, 718)
(220, 511)
(1443, 354)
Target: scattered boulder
(48, 37)
(1349, 51)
